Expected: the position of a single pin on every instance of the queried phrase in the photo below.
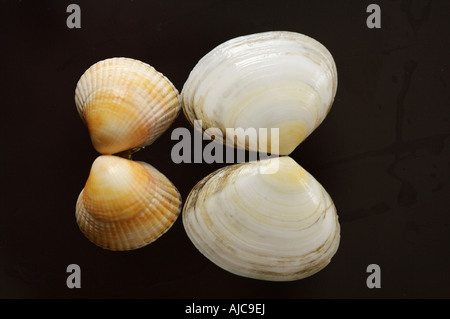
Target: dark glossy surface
(383, 152)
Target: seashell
(125, 204)
(277, 79)
(278, 226)
(125, 104)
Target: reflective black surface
(383, 152)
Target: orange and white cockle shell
(125, 104)
(126, 204)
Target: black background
(383, 152)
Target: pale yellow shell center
(113, 186)
(284, 173)
(114, 123)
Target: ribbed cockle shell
(126, 204)
(268, 220)
(125, 104)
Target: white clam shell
(275, 79)
(280, 226)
